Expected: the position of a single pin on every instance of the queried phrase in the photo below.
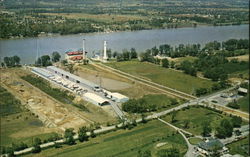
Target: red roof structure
(74, 53)
(76, 58)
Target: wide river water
(117, 41)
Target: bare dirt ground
(240, 58)
(51, 112)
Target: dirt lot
(240, 58)
(50, 111)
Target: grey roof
(41, 71)
(211, 145)
(88, 83)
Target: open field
(8, 103)
(244, 103)
(196, 116)
(240, 147)
(114, 83)
(23, 127)
(163, 76)
(240, 58)
(194, 140)
(51, 111)
(123, 143)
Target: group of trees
(225, 129)
(125, 55)
(45, 60)
(11, 61)
(142, 105)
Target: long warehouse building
(71, 77)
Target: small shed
(117, 97)
(95, 99)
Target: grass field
(8, 103)
(244, 103)
(196, 116)
(240, 147)
(22, 127)
(123, 143)
(195, 140)
(163, 76)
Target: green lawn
(123, 143)
(244, 103)
(194, 140)
(21, 127)
(8, 103)
(166, 77)
(240, 147)
(196, 116)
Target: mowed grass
(194, 140)
(8, 103)
(163, 76)
(196, 116)
(122, 143)
(244, 103)
(240, 147)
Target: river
(141, 40)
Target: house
(95, 99)
(209, 146)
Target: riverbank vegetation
(31, 19)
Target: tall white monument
(105, 57)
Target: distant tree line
(11, 61)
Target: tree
(115, 54)
(55, 56)
(71, 69)
(225, 129)
(201, 91)
(186, 124)
(69, 136)
(82, 133)
(173, 116)
(236, 121)
(109, 53)
(172, 64)
(36, 145)
(6, 61)
(44, 61)
(16, 60)
(206, 129)
(165, 63)
(133, 53)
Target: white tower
(105, 51)
(83, 49)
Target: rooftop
(211, 145)
(72, 76)
(95, 97)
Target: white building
(95, 99)
(117, 97)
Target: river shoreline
(41, 35)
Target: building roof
(42, 71)
(119, 96)
(74, 53)
(86, 82)
(243, 90)
(211, 145)
(76, 58)
(95, 97)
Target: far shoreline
(95, 33)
